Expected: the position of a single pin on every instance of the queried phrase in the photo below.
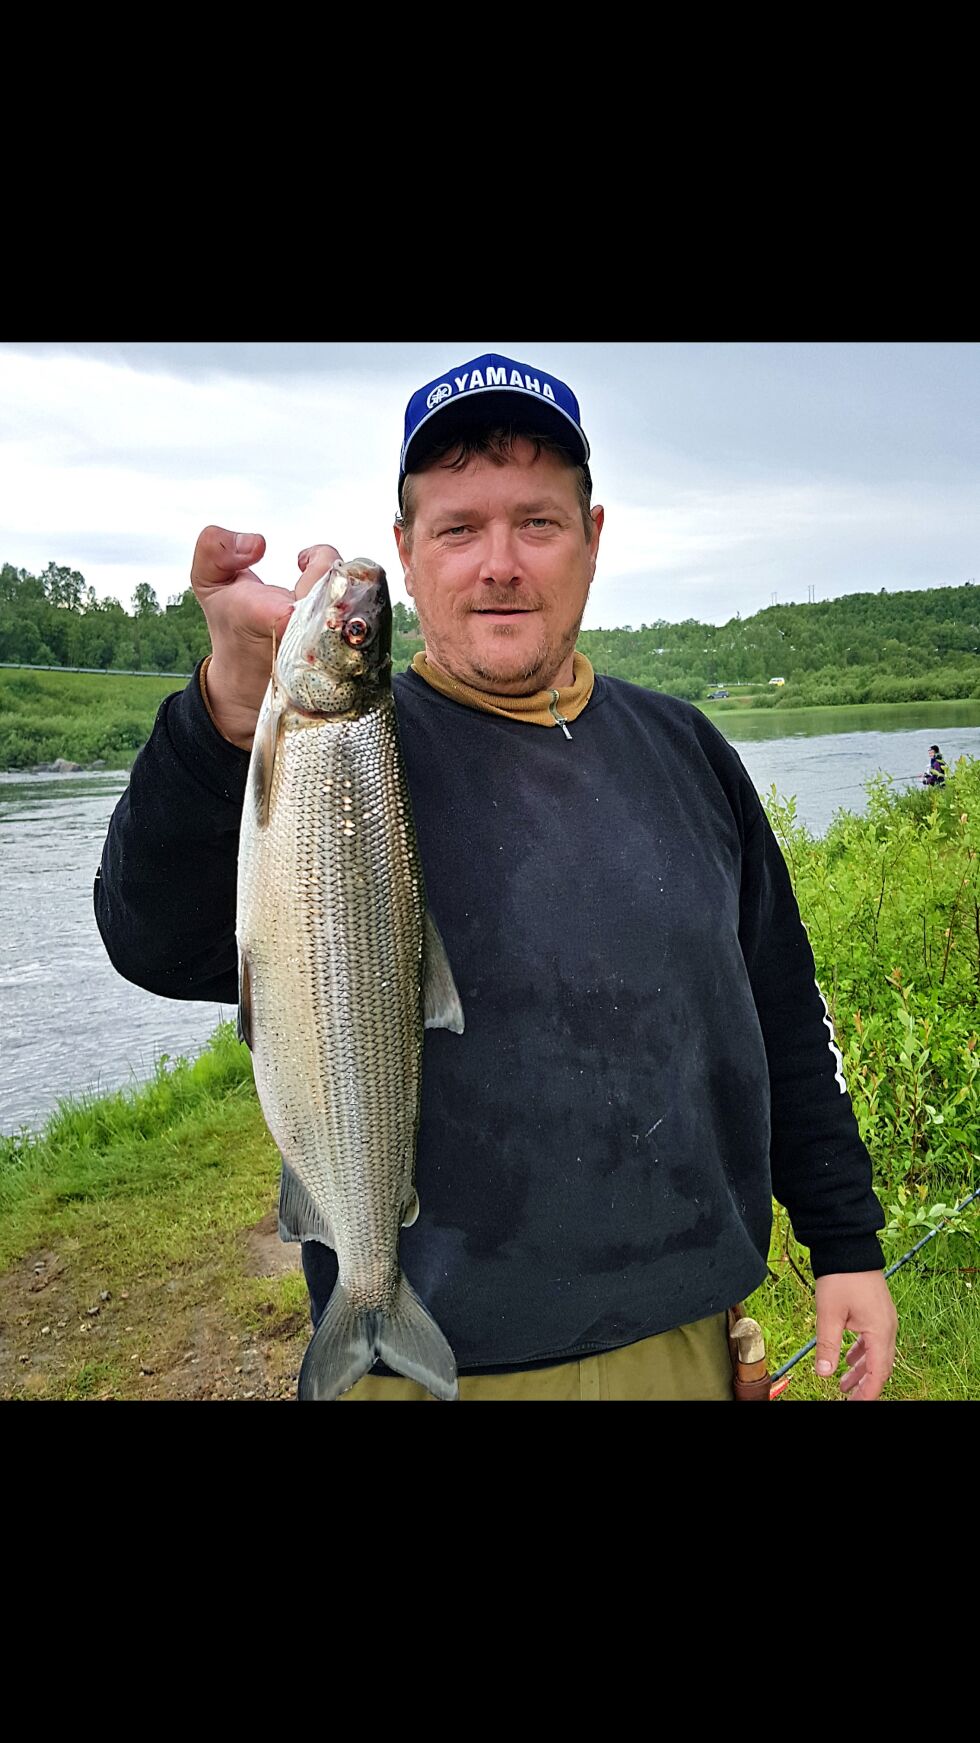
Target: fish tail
(410, 1342)
(348, 1341)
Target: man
(647, 1056)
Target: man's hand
(858, 1301)
(242, 611)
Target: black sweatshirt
(647, 1058)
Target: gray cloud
(122, 549)
(728, 471)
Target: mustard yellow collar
(540, 709)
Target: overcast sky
(728, 472)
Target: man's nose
(500, 560)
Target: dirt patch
(47, 1267)
(68, 1333)
(268, 1256)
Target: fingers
(870, 1362)
(220, 554)
(857, 1364)
(869, 1370)
(243, 614)
(223, 556)
(313, 562)
(863, 1385)
(308, 552)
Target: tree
(403, 620)
(145, 602)
(64, 587)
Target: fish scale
(336, 948)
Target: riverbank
(81, 717)
(138, 1251)
(761, 722)
(104, 718)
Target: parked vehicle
(717, 695)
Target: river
(70, 1026)
(824, 756)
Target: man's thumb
(827, 1355)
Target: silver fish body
(341, 967)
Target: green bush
(81, 716)
(891, 902)
(124, 734)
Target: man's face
(499, 567)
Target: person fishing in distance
(935, 775)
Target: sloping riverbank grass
(756, 718)
(134, 1228)
(89, 717)
(138, 1229)
(82, 716)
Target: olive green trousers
(690, 1362)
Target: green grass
(937, 1296)
(77, 715)
(144, 1199)
(151, 1176)
(847, 716)
(89, 717)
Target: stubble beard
(548, 660)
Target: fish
(341, 967)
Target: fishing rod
(889, 1273)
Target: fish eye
(355, 632)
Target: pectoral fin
(441, 1005)
(264, 751)
(244, 1002)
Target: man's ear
(598, 518)
(405, 559)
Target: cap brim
(487, 409)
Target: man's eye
(539, 520)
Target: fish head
(335, 654)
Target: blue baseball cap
(490, 390)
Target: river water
(826, 770)
(69, 1025)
